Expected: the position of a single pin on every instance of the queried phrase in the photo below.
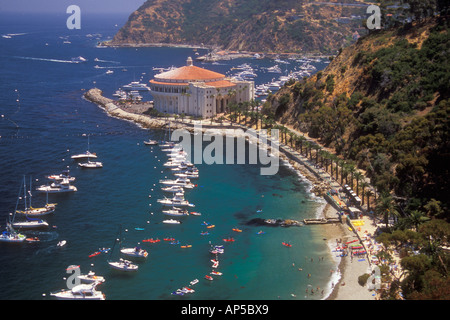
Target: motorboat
(79, 59)
(84, 155)
(171, 221)
(177, 212)
(80, 292)
(136, 85)
(177, 200)
(90, 278)
(190, 175)
(123, 265)
(57, 187)
(193, 282)
(181, 182)
(151, 142)
(91, 164)
(62, 175)
(135, 252)
(173, 189)
(10, 235)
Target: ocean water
(50, 121)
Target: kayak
(94, 254)
(237, 230)
(151, 240)
(228, 240)
(286, 244)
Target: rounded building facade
(195, 91)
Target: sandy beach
(349, 268)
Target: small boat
(62, 175)
(228, 239)
(33, 239)
(169, 239)
(193, 282)
(215, 263)
(94, 254)
(195, 213)
(10, 235)
(109, 72)
(260, 232)
(91, 164)
(151, 240)
(90, 278)
(151, 142)
(187, 290)
(207, 277)
(80, 292)
(287, 244)
(171, 221)
(135, 252)
(123, 265)
(204, 233)
(85, 155)
(61, 243)
(216, 273)
(186, 246)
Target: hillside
(383, 103)
(250, 25)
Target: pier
(321, 221)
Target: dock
(321, 221)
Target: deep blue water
(50, 122)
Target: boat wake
(46, 59)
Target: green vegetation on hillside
(383, 105)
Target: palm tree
(416, 218)
(364, 185)
(369, 193)
(385, 207)
(358, 176)
(352, 170)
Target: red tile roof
(189, 73)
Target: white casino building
(197, 92)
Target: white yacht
(177, 200)
(135, 252)
(30, 224)
(91, 164)
(80, 292)
(90, 278)
(123, 265)
(136, 85)
(176, 212)
(171, 221)
(85, 155)
(181, 182)
(173, 189)
(57, 187)
(62, 175)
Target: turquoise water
(39, 135)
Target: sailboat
(84, 155)
(35, 212)
(122, 264)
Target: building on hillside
(199, 92)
